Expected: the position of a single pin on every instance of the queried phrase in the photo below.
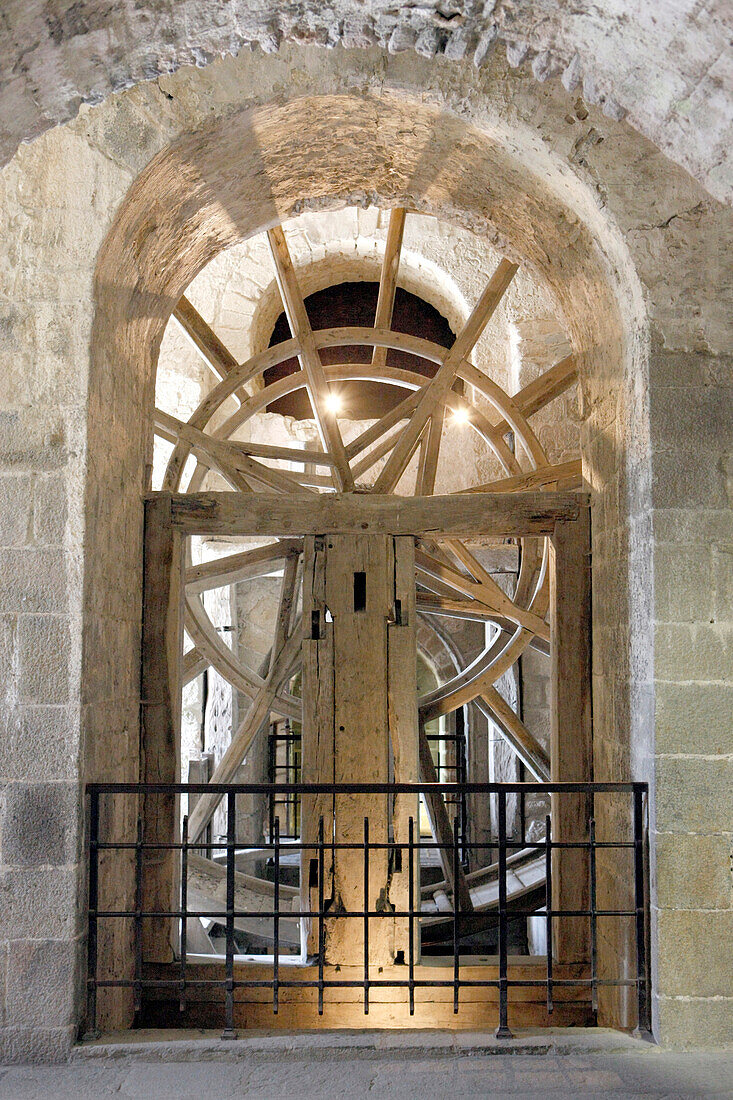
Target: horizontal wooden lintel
(494, 514)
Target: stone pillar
(359, 711)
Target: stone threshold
(199, 1045)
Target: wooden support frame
(571, 752)
(510, 515)
(161, 683)
(565, 517)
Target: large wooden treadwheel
(450, 579)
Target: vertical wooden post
(359, 710)
(571, 730)
(403, 727)
(162, 645)
(317, 746)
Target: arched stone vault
(111, 216)
(621, 62)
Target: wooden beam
(160, 705)
(543, 390)
(502, 514)
(569, 474)
(433, 394)
(388, 279)
(309, 358)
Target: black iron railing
(456, 925)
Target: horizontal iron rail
(366, 788)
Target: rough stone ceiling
(667, 65)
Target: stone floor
(426, 1065)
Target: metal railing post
(229, 1032)
(643, 985)
(503, 1032)
(91, 1022)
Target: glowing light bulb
(333, 403)
(460, 415)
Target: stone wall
(632, 253)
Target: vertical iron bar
(137, 986)
(411, 909)
(184, 909)
(593, 919)
(502, 1032)
(276, 921)
(642, 985)
(229, 1032)
(456, 912)
(321, 937)
(548, 908)
(366, 916)
(91, 1031)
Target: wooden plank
(388, 279)
(503, 514)
(160, 686)
(571, 728)
(544, 389)
(309, 358)
(569, 474)
(433, 394)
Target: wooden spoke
(310, 360)
(287, 454)
(544, 389)
(444, 377)
(373, 433)
(284, 652)
(388, 279)
(514, 731)
(484, 588)
(568, 475)
(375, 454)
(258, 710)
(429, 454)
(239, 567)
(204, 339)
(229, 459)
(194, 663)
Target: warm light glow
(460, 415)
(333, 403)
